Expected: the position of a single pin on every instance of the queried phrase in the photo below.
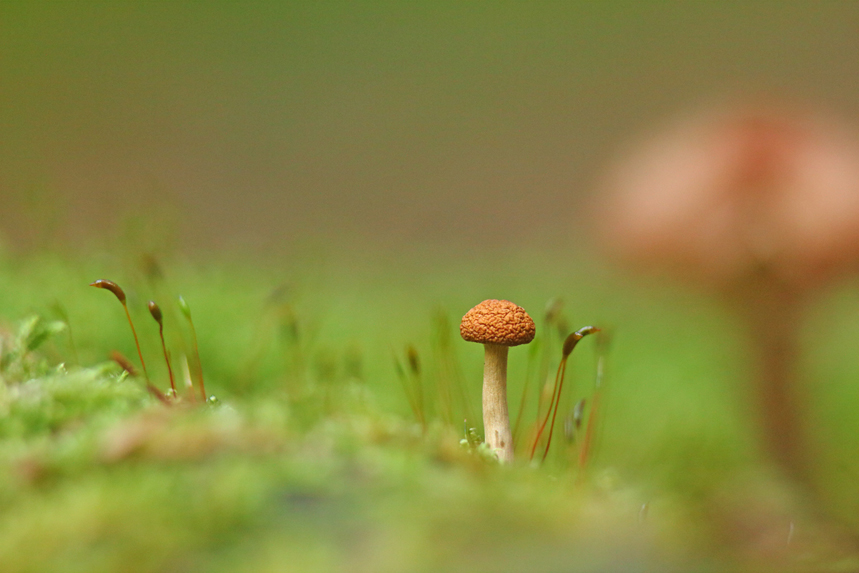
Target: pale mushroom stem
(496, 419)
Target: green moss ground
(312, 460)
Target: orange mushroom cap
(497, 322)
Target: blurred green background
(271, 124)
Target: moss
(313, 460)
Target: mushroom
(761, 205)
(497, 324)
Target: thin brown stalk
(569, 345)
(167, 358)
(549, 409)
(137, 344)
(585, 450)
(557, 403)
(155, 311)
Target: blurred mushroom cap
(737, 191)
(497, 322)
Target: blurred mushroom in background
(759, 204)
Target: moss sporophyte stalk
(186, 312)
(120, 295)
(569, 344)
(158, 316)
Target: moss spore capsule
(112, 287)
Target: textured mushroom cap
(497, 322)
